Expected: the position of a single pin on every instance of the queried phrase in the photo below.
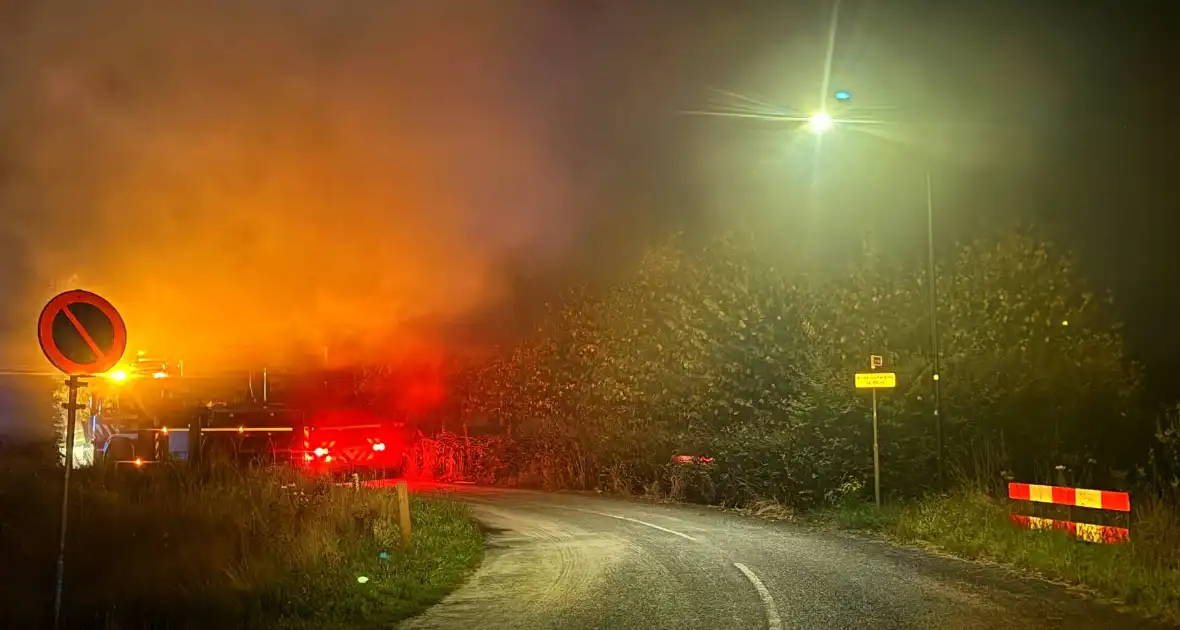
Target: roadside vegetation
(721, 348)
(1143, 573)
(227, 549)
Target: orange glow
(139, 461)
(279, 203)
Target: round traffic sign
(81, 333)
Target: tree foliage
(706, 348)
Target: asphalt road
(576, 561)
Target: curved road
(578, 561)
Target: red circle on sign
(105, 358)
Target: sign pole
(80, 333)
(876, 455)
(876, 361)
(71, 420)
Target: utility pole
(934, 349)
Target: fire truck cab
(333, 441)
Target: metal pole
(71, 418)
(934, 350)
(829, 55)
(876, 455)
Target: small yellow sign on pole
(876, 380)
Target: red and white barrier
(1078, 497)
(1085, 531)
(1098, 499)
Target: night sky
(1058, 113)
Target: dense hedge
(709, 349)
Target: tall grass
(169, 548)
(1144, 573)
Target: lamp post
(821, 122)
(935, 351)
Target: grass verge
(228, 549)
(1144, 573)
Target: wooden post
(403, 511)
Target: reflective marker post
(403, 512)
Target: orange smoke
(251, 185)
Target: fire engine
(310, 431)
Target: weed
(229, 548)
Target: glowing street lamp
(819, 122)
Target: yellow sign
(876, 380)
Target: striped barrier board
(1076, 497)
(1085, 531)
(1098, 499)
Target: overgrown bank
(1144, 573)
(265, 549)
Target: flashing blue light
(843, 95)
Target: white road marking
(639, 522)
(772, 620)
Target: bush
(532, 462)
(170, 548)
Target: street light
(820, 123)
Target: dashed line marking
(772, 619)
(644, 523)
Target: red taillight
(691, 459)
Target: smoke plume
(256, 178)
